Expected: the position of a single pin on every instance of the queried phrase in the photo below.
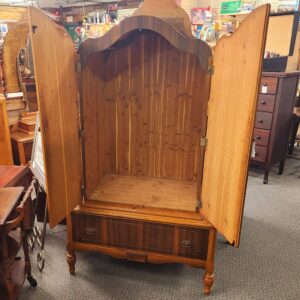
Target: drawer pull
(258, 137)
(260, 120)
(263, 102)
(186, 244)
(90, 231)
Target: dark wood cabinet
(273, 119)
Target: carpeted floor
(266, 266)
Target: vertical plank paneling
(151, 109)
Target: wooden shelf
(147, 192)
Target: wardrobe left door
(57, 91)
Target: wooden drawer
(263, 120)
(266, 103)
(261, 137)
(193, 242)
(268, 85)
(151, 237)
(87, 228)
(260, 153)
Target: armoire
(147, 134)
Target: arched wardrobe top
(137, 24)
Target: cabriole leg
(71, 259)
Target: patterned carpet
(266, 266)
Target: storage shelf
(147, 192)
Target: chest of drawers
(273, 117)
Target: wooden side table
(11, 176)
(22, 146)
(13, 235)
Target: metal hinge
(81, 133)
(203, 142)
(198, 205)
(211, 69)
(83, 192)
(34, 28)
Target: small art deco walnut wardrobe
(146, 140)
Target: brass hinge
(210, 69)
(203, 142)
(83, 192)
(81, 133)
(34, 28)
(198, 205)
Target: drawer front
(158, 238)
(261, 137)
(87, 228)
(268, 85)
(266, 103)
(260, 153)
(193, 242)
(142, 236)
(123, 233)
(263, 120)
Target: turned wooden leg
(208, 280)
(71, 259)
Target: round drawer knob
(257, 137)
(263, 102)
(260, 120)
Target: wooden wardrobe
(147, 138)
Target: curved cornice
(189, 45)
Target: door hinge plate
(83, 192)
(203, 142)
(81, 133)
(210, 69)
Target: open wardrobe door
(53, 56)
(231, 112)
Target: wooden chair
(13, 236)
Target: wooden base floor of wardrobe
(141, 234)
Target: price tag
(264, 89)
(253, 149)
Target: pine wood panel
(14, 41)
(149, 101)
(53, 53)
(5, 145)
(148, 192)
(234, 91)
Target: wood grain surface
(148, 192)
(231, 113)
(144, 111)
(53, 53)
(14, 40)
(5, 144)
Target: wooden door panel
(53, 55)
(234, 90)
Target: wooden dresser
(273, 118)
